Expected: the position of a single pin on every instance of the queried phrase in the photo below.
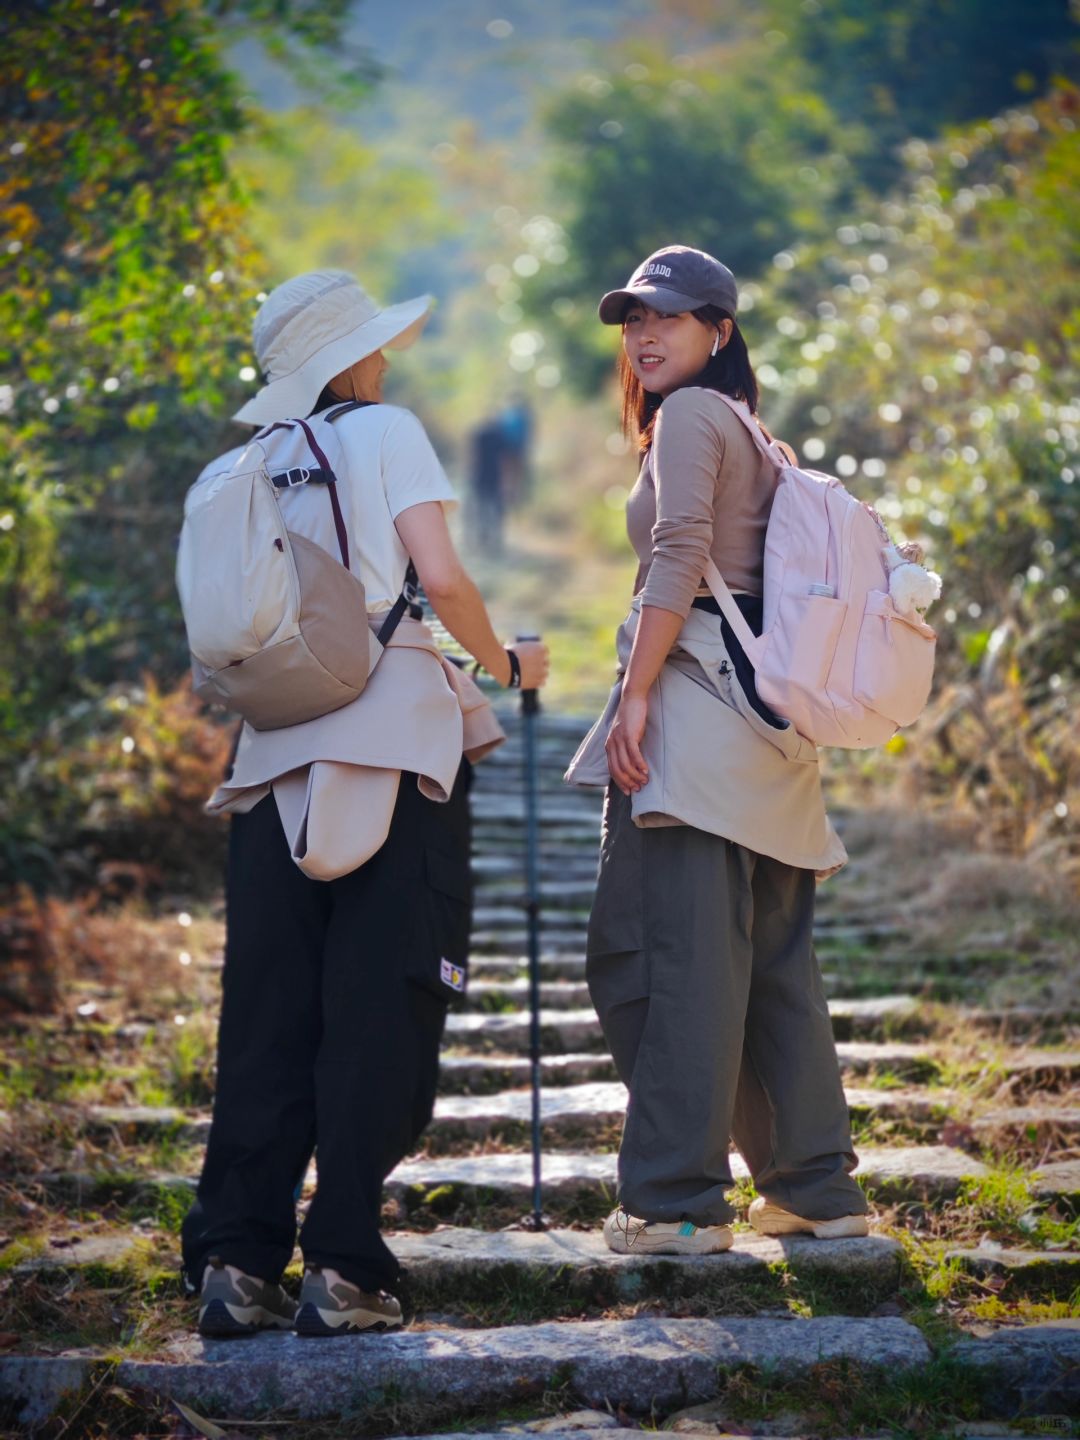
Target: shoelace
(631, 1241)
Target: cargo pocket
(616, 921)
(439, 957)
(616, 963)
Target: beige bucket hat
(310, 328)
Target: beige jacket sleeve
(687, 453)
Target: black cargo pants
(334, 999)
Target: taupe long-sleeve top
(704, 487)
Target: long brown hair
(728, 371)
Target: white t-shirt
(389, 465)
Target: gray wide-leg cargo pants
(702, 969)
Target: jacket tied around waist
(714, 761)
(335, 779)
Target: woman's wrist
(514, 680)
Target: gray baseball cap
(674, 279)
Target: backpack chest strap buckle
(298, 475)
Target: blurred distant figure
(486, 486)
(499, 478)
(516, 423)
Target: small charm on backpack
(912, 587)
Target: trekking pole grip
(530, 699)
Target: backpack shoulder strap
(730, 611)
(338, 410)
(760, 436)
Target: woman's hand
(623, 744)
(534, 660)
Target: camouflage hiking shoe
(329, 1305)
(232, 1303)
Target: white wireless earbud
(715, 344)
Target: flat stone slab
(1058, 1180)
(603, 1103)
(1049, 1066)
(1059, 1124)
(859, 1056)
(556, 1429)
(921, 1172)
(509, 1175)
(1032, 1369)
(487, 1073)
(554, 994)
(438, 1261)
(562, 1030)
(852, 1017)
(136, 1122)
(484, 1074)
(516, 967)
(555, 933)
(636, 1363)
(148, 1122)
(569, 1030)
(567, 809)
(992, 1259)
(917, 1172)
(78, 1253)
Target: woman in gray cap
(348, 885)
(700, 956)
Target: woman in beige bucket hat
(335, 988)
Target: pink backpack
(843, 654)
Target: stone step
(1042, 1126)
(496, 1189)
(570, 966)
(1052, 1272)
(1027, 1368)
(508, 920)
(513, 993)
(581, 1185)
(590, 1110)
(451, 1265)
(557, 934)
(499, 807)
(1057, 1182)
(464, 1074)
(641, 1364)
(505, 996)
(79, 1252)
(566, 1031)
(482, 1074)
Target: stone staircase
(502, 1318)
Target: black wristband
(514, 682)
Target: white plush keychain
(912, 587)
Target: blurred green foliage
(910, 303)
(128, 282)
(903, 68)
(320, 196)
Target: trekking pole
(530, 709)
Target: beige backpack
(276, 625)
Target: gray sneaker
(329, 1305)
(232, 1303)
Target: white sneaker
(628, 1236)
(770, 1219)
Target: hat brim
(394, 328)
(613, 306)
